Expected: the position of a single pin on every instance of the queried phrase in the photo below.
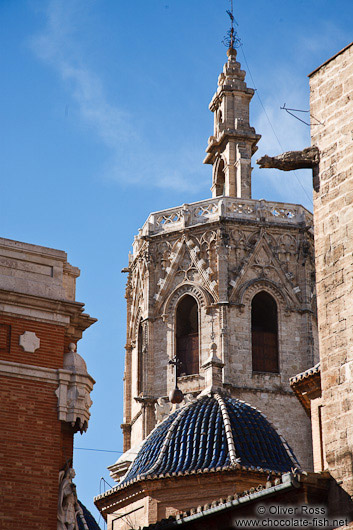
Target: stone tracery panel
(203, 297)
(248, 290)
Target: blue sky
(104, 118)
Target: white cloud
(325, 39)
(130, 160)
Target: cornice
(35, 250)
(32, 372)
(40, 373)
(142, 487)
(62, 312)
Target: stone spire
(233, 142)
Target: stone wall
(331, 105)
(223, 263)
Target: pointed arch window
(140, 359)
(220, 179)
(187, 336)
(264, 332)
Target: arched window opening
(187, 336)
(220, 179)
(264, 331)
(140, 359)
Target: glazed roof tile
(305, 375)
(86, 521)
(211, 433)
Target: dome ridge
(228, 429)
(214, 432)
(168, 437)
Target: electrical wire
(268, 119)
(100, 450)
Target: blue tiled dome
(212, 432)
(85, 520)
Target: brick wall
(331, 103)
(52, 342)
(37, 296)
(37, 446)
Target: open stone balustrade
(211, 210)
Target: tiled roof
(233, 501)
(86, 521)
(305, 375)
(210, 434)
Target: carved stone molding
(203, 297)
(73, 392)
(69, 508)
(248, 290)
(29, 341)
(163, 407)
(213, 368)
(75, 386)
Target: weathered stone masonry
(331, 103)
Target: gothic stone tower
(226, 286)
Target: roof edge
(330, 59)
(238, 468)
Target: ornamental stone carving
(213, 370)
(68, 506)
(29, 341)
(74, 390)
(163, 407)
(201, 295)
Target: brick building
(44, 387)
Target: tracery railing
(228, 208)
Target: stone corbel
(145, 401)
(73, 392)
(307, 158)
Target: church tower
(233, 142)
(224, 288)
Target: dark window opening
(264, 331)
(187, 336)
(5, 337)
(140, 360)
(220, 179)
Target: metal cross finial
(231, 40)
(231, 16)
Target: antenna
(231, 40)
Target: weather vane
(231, 40)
